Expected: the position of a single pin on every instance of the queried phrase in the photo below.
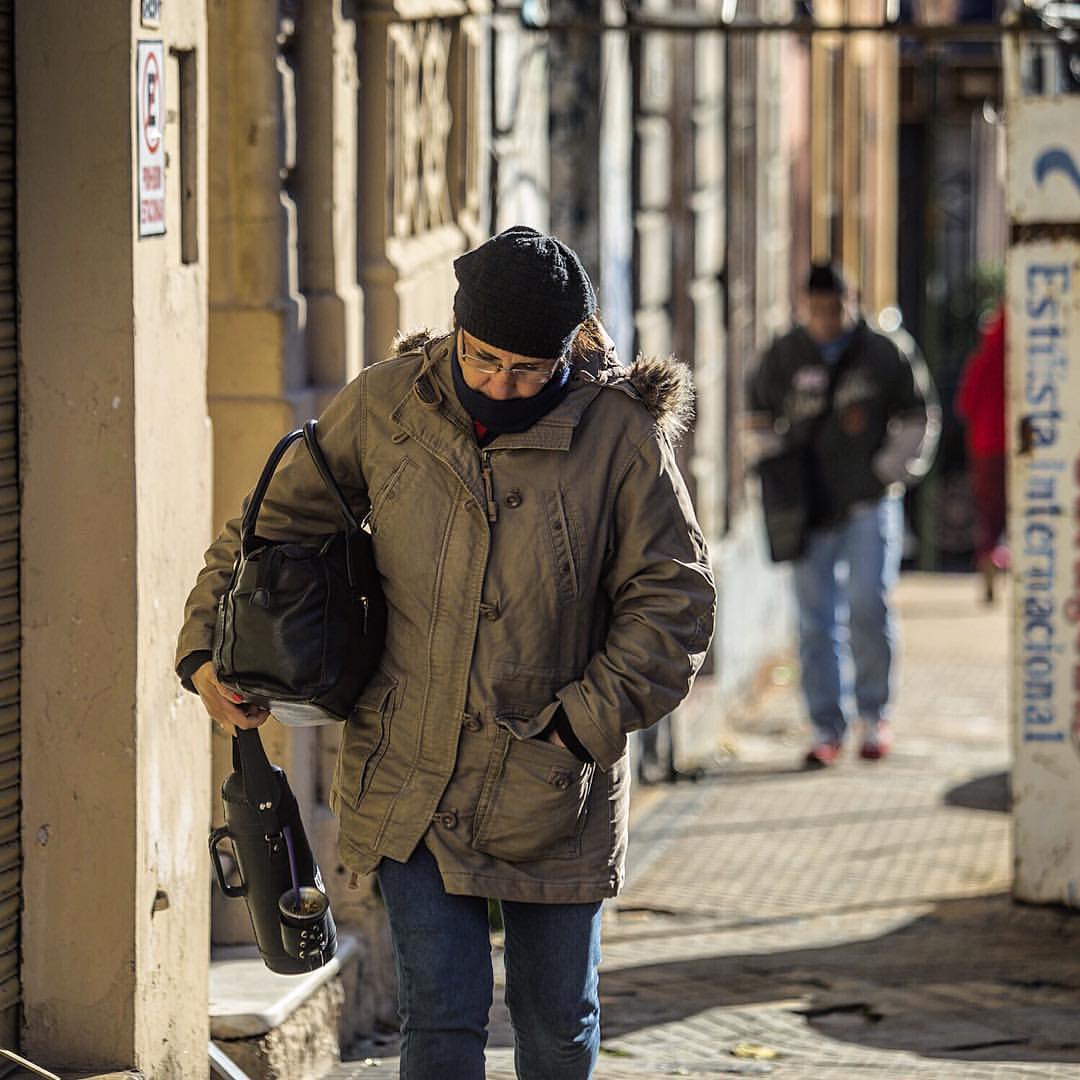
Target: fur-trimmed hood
(664, 385)
(666, 388)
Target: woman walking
(549, 591)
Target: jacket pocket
(534, 802)
(394, 488)
(564, 548)
(363, 741)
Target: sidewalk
(842, 924)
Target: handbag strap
(251, 512)
(315, 450)
(261, 785)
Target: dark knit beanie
(824, 277)
(524, 292)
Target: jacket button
(513, 499)
(447, 820)
(491, 612)
(561, 781)
(472, 723)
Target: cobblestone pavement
(840, 924)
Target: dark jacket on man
(848, 429)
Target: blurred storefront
(952, 241)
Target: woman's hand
(554, 737)
(224, 707)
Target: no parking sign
(150, 132)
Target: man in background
(841, 421)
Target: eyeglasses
(539, 372)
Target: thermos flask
(286, 900)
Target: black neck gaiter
(517, 414)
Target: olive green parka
(561, 565)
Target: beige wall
(115, 513)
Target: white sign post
(1043, 324)
(1043, 138)
(150, 132)
(1043, 337)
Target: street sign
(1043, 143)
(150, 133)
(1043, 328)
(151, 13)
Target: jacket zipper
(489, 486)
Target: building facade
(217, 213)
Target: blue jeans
(443, 953)
(842, 586)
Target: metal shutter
(10, 892)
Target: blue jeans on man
(842, 584)
(442, 950)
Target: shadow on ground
(991, 792)
(979, 979)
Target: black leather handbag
(785, 492)
(787, 483)
(301, 627)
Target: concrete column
(887, 76)
(116, 498)
(469, 165)
(775, 263)
(616, 186)
(520, 160)
(797, 122)
(327, 102)
(823, 60)
(574, 94)
(257, 313)
(742, 227)
(260, 378)
(704, 336)
(851, 159)
(653, 102)
(696, 220)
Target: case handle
(216, 837)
